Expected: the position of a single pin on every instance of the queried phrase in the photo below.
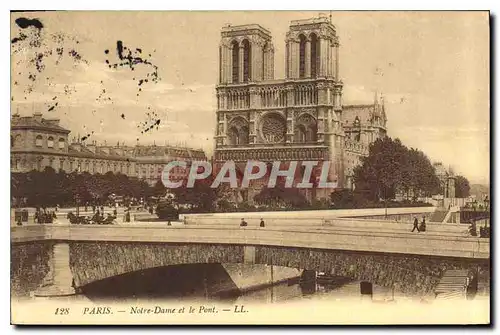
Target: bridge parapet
(322, 237)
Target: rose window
(273, 129)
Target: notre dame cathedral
(298, 118)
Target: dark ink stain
(123, 116)
(131, 58)
(24, 23)
(86, 136)
(153, 122)
(21, 37)
(53, 107)
(37, 51)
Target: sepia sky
(433, 68)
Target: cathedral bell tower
(312, 58)
(246, 54)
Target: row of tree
(49, 188)
(390, 168)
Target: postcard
(250, 167)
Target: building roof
(37, 122)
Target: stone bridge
(60, 258)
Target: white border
(178, 5)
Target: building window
(17, 141)
(220, 64)
(71, 166)
(61, 164)
(302, 56)
(61, 143)
(246, 61)
(39, 141)
(314, 55)
(50, 142)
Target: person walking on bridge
(415, 225)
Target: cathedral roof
(365, 114)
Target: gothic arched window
(302, 56)
(247, 68)
(314, 55)
(300, 134)
(220, 64)
(264, 61)
(238, 132)
(306, 129)
(236, 61)
(234, 136)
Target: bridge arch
(90, 262)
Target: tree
(391, 168)
(281, 196)
(159, 189)
(381, 171)
(201, 196)
(462, 187)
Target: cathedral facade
(298, 118)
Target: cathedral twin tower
(247, 52)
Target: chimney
(52, 122)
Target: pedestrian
(262, 222)
(415, 225)
(422, 225)
(243, 223)
(473, 228)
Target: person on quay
(415, 225)
(262, 224)
(243, 223)
(422, 225)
